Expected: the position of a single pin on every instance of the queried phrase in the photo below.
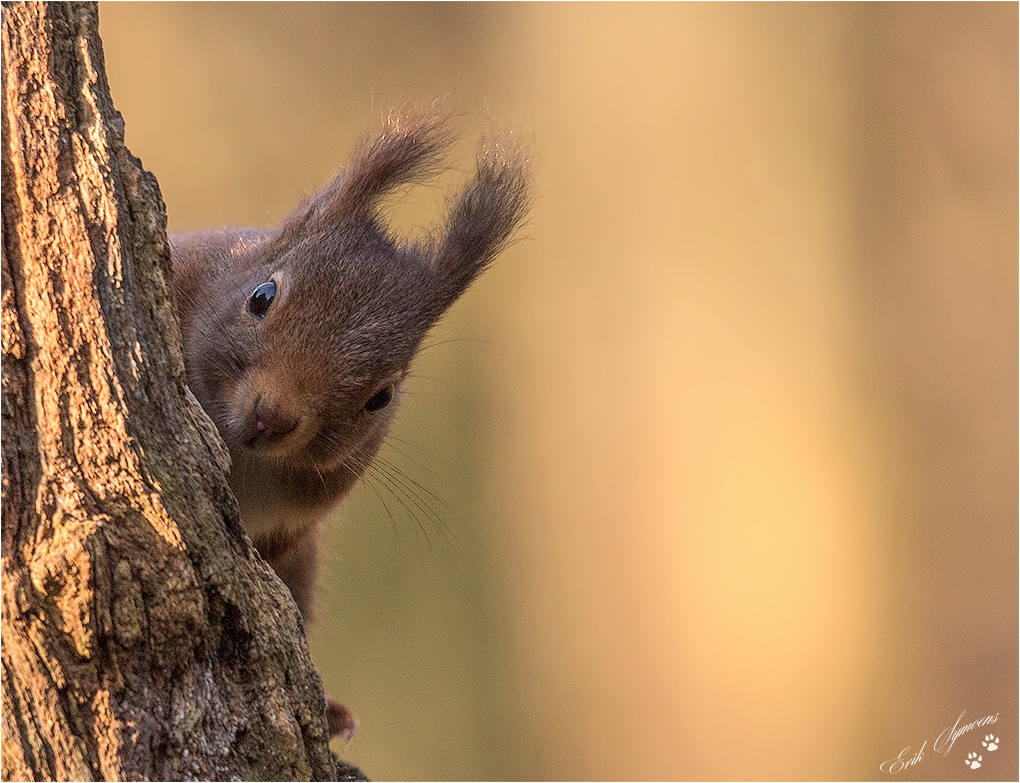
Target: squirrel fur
(297, 339)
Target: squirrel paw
(340, 721)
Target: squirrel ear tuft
(483, 216)
(408, 149)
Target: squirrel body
(297, 339)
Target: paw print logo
(973, 760)
(991, 742)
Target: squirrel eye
(260, 299)
(380, 399)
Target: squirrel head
(297, 339)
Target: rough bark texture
(142, 635)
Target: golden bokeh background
(714, 474)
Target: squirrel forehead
(350, 255)
(376, 285)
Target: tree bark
(143, 636)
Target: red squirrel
(297, 339)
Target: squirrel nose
(271, 423)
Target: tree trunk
(143, 637)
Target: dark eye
(260, 299)
(380, 399)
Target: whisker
(393, 522)
(402, 497)
(426, 452)
(418, 486)
(406, 456)
(436, 344)
(440, 382)
(315, 467)
(406, 486)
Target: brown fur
(288, 391)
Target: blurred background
(714, 474)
